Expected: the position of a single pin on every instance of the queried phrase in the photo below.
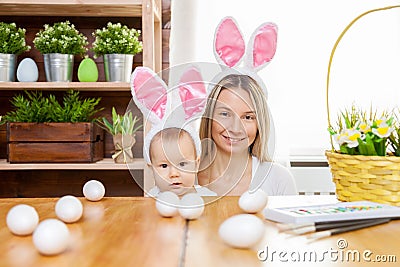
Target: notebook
(332, 212)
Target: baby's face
(174, 164)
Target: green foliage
(61, 38)
(12, 39)
(37, 108)
(116, 39)
(121, 124)
(359, 132)
(394, 138)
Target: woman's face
(234, 126)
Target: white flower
(352, 137)
(365, 127)
(383, 130)
(349, 137)
(340, 138)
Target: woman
(234, 132)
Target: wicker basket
(357, 177)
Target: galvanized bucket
(118, 67)
(58, 67)
(8, 64)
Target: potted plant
(12, 43)
(117, 43)
(58, 44)
(123, 129)
(41, 129)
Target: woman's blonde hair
(258, 98)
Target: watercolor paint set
(332, 212)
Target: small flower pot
(58, 67)
(118, 67)
(7, 67)
(123, 148)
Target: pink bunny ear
(192, 92)
(149, 92)
(229, 43)
(262, 45)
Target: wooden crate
(54, 142)
(3, 141)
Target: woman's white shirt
(273, 178)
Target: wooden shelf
(62, 86)
(93, 8)
(105, 164)
(148, 10)
(150, 13)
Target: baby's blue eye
(224, 114)
(182, 164)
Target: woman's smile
(233, 140)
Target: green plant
(361, 133)
(12, 39)
(121, 124)
(37, 108)
(61, 38)
(116, 39)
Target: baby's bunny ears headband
(230, 48)
(169, 108)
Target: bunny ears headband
(230, 48)
(156, 101)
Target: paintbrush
(344, 229)
(316, 227)
(292, 226)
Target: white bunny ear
(149, 93)
(262, 46)
(192, 92)
(229, 45)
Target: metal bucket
(8, 63)
(118, 67)
(58, 67)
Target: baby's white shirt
(202, 191)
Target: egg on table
(94, 190)
(191, 206)
(22, 219)
(51, 237)
(242, 231)
(27, 71)
(253, 201)
(69, 209)
(167, 204)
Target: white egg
(22, 219)
(191, 206)
(167, 204)
(27, 71)
(242, 231)
(51, 237)
(94, 190)
(69, 209)
(253, 202)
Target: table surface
(130, 232)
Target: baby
(175, 163)
(172, 146)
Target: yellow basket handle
(333, 52)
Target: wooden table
(129, 232)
